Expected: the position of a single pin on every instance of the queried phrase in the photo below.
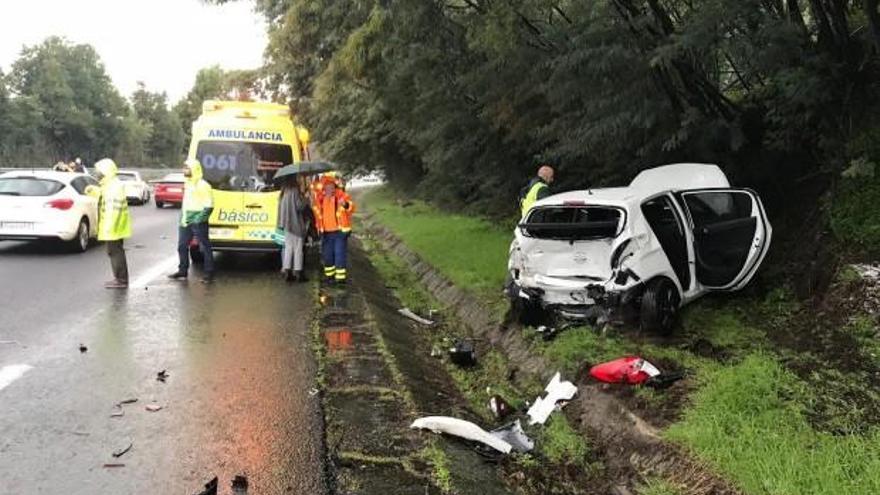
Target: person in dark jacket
(292, 206)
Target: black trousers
(117, 260)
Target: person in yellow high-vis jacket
(198, 203)
(114, 221)
(538, 188)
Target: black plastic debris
(664, 380)
(210, 487)
(120, 453)
(83, 348)
(499, 407)
(240, 485)
(463, 354)
(162, 376)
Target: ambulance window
(242, 166)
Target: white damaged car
(674, 234)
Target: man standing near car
(198, 203)
(333, 209)
(114, 222)
(538, 188)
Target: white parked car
(136, 190)
(674, 234)
(45, 205)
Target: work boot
(116, 284)
(301, 276)
(290, 276)
(178, 275)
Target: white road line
(9, 374)
(155, 271)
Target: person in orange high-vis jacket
(333, 209)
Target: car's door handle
(254, 206)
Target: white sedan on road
(674, 234)
(136, 190)
(45, 205)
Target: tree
(165, 135)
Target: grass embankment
(748, 414)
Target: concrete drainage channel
(375, 381)
(629, 447)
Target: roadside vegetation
(772, 413)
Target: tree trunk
(873, 21)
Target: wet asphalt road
(237, 352)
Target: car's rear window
(573, 222)
(173, 178)
(29, 186)
(127, 177)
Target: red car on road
(169, 190)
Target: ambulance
(241, 145)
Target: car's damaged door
(731, 235)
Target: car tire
(82, 239)
(659, 306)
(195, 254)
(159, 204)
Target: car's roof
(611, 196)
(65, 177)
(674, 177)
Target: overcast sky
(161, 42)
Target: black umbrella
(302, 168)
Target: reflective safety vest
(114, 222)
(538, 189)
(197, 197)
(324, 205)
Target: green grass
(439, 463)
(472, 252)
(855, 212)
(747, 420)
(656, 486)
(562, 444)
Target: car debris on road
(162, 376)
(557, 390)
(120, 453)
(153, 407)
(463, 429)
(210, 487)
(412, 316)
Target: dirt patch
(630, 447)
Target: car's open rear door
(731, 235)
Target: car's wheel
(659, 311)
(159, 204)
(195, 254)
(80, 242)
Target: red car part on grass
(631, 370)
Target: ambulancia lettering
(245, 135)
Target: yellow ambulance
(241, 145)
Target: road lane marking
(155, 271)
(9, 374)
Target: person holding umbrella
(292, 205)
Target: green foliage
(458, 101)
(470, 251)
(855, 213)
(562, 444)
(748, 420)
(656, 486)
(58, 103)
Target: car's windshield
(29, 186)
(127, 177)
(242, 166)
(573, 222)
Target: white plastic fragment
(412, 316)
(557, 390)
(515, 436)
(461, 428)
(648, 368)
